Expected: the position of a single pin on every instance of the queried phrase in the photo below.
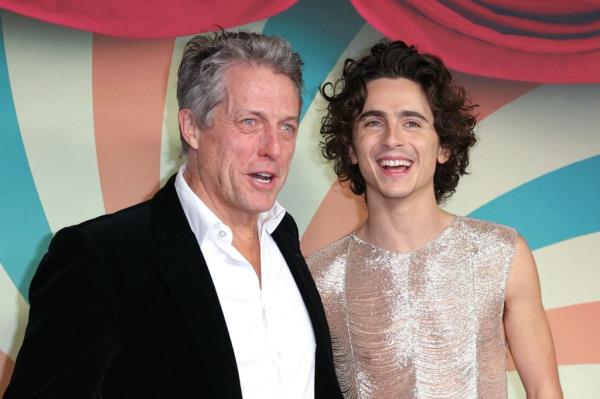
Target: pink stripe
(340, 213)
(492, 94)
(129, 86)
(576, 332)
(7, 366)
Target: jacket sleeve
(70, 336)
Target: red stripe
(479, 50)
(147, 19)
(485, 16)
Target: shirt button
(222, 234)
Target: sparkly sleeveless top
(422, 324)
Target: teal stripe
(320, 31)
(554, 207)
(24, 230)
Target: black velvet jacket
(123, 306)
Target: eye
(288, 128)
(373, 123)
(412, 124)
(249, 122)
(249, 125)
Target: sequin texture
(422, 324)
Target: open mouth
(395, 165)
(263, 177)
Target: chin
(394, 195)
(260, 206)
(394, 192)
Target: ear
(188, 128)
(443, 155)
(352, 154)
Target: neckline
(428, 244)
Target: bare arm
(527, 329)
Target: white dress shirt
(269, 326)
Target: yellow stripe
(13, 316)
(537, 133)
(569, 271)
(50, 72)
(307, 159)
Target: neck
(239, 222)
(403, 224)
(243, 225)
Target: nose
(394, 137)
(270, 145)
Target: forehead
(249, 83)
(393, 95)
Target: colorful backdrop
(88, 125)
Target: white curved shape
(568, 271)
(310, 177)
(170, 158)
(548, 128)
(13, 316)
(50, 71)
(577, 380)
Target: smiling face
(241, 162)
(395, 142)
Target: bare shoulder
(523, 278)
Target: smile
(395, 165)
(263, 177)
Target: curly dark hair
(453, 112)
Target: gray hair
(200, 78)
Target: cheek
(359, 148)
(289, 147)
(241, 147)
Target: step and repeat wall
(88, 125)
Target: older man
(200, 292)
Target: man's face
(242, 161)
(395, 142)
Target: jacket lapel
(184, 269)
(287, 240)
(286, 237)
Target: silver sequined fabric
(422, 324)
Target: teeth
(263, 177)
(395, 162)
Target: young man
(200, 292)
(422, 303)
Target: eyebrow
(295, 118)
(381, 114)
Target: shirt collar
(201, 219)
